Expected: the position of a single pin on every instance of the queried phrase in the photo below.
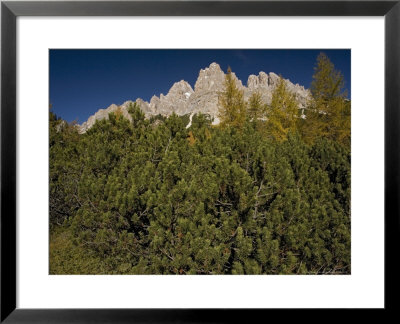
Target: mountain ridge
(182, 99)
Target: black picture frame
(10, 10)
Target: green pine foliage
(152, 197)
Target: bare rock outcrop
(265, 84)
(176, 101)
(209, 84)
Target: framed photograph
(190, 161)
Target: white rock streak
(190, 120)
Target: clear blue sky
(83, 81)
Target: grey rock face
(99, 115)
(209, 84)
(182, 99)
(176, 101)
(265, 84)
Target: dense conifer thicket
(265, 192)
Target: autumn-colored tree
(329, 112)
(191, 138)
(256, 109)
(232, 107)
(282, 112)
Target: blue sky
(83, 81)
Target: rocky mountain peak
(102, 114)
(180, 90)
(258, 81)
(214, 67)
(273, 79)
(210, 79)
